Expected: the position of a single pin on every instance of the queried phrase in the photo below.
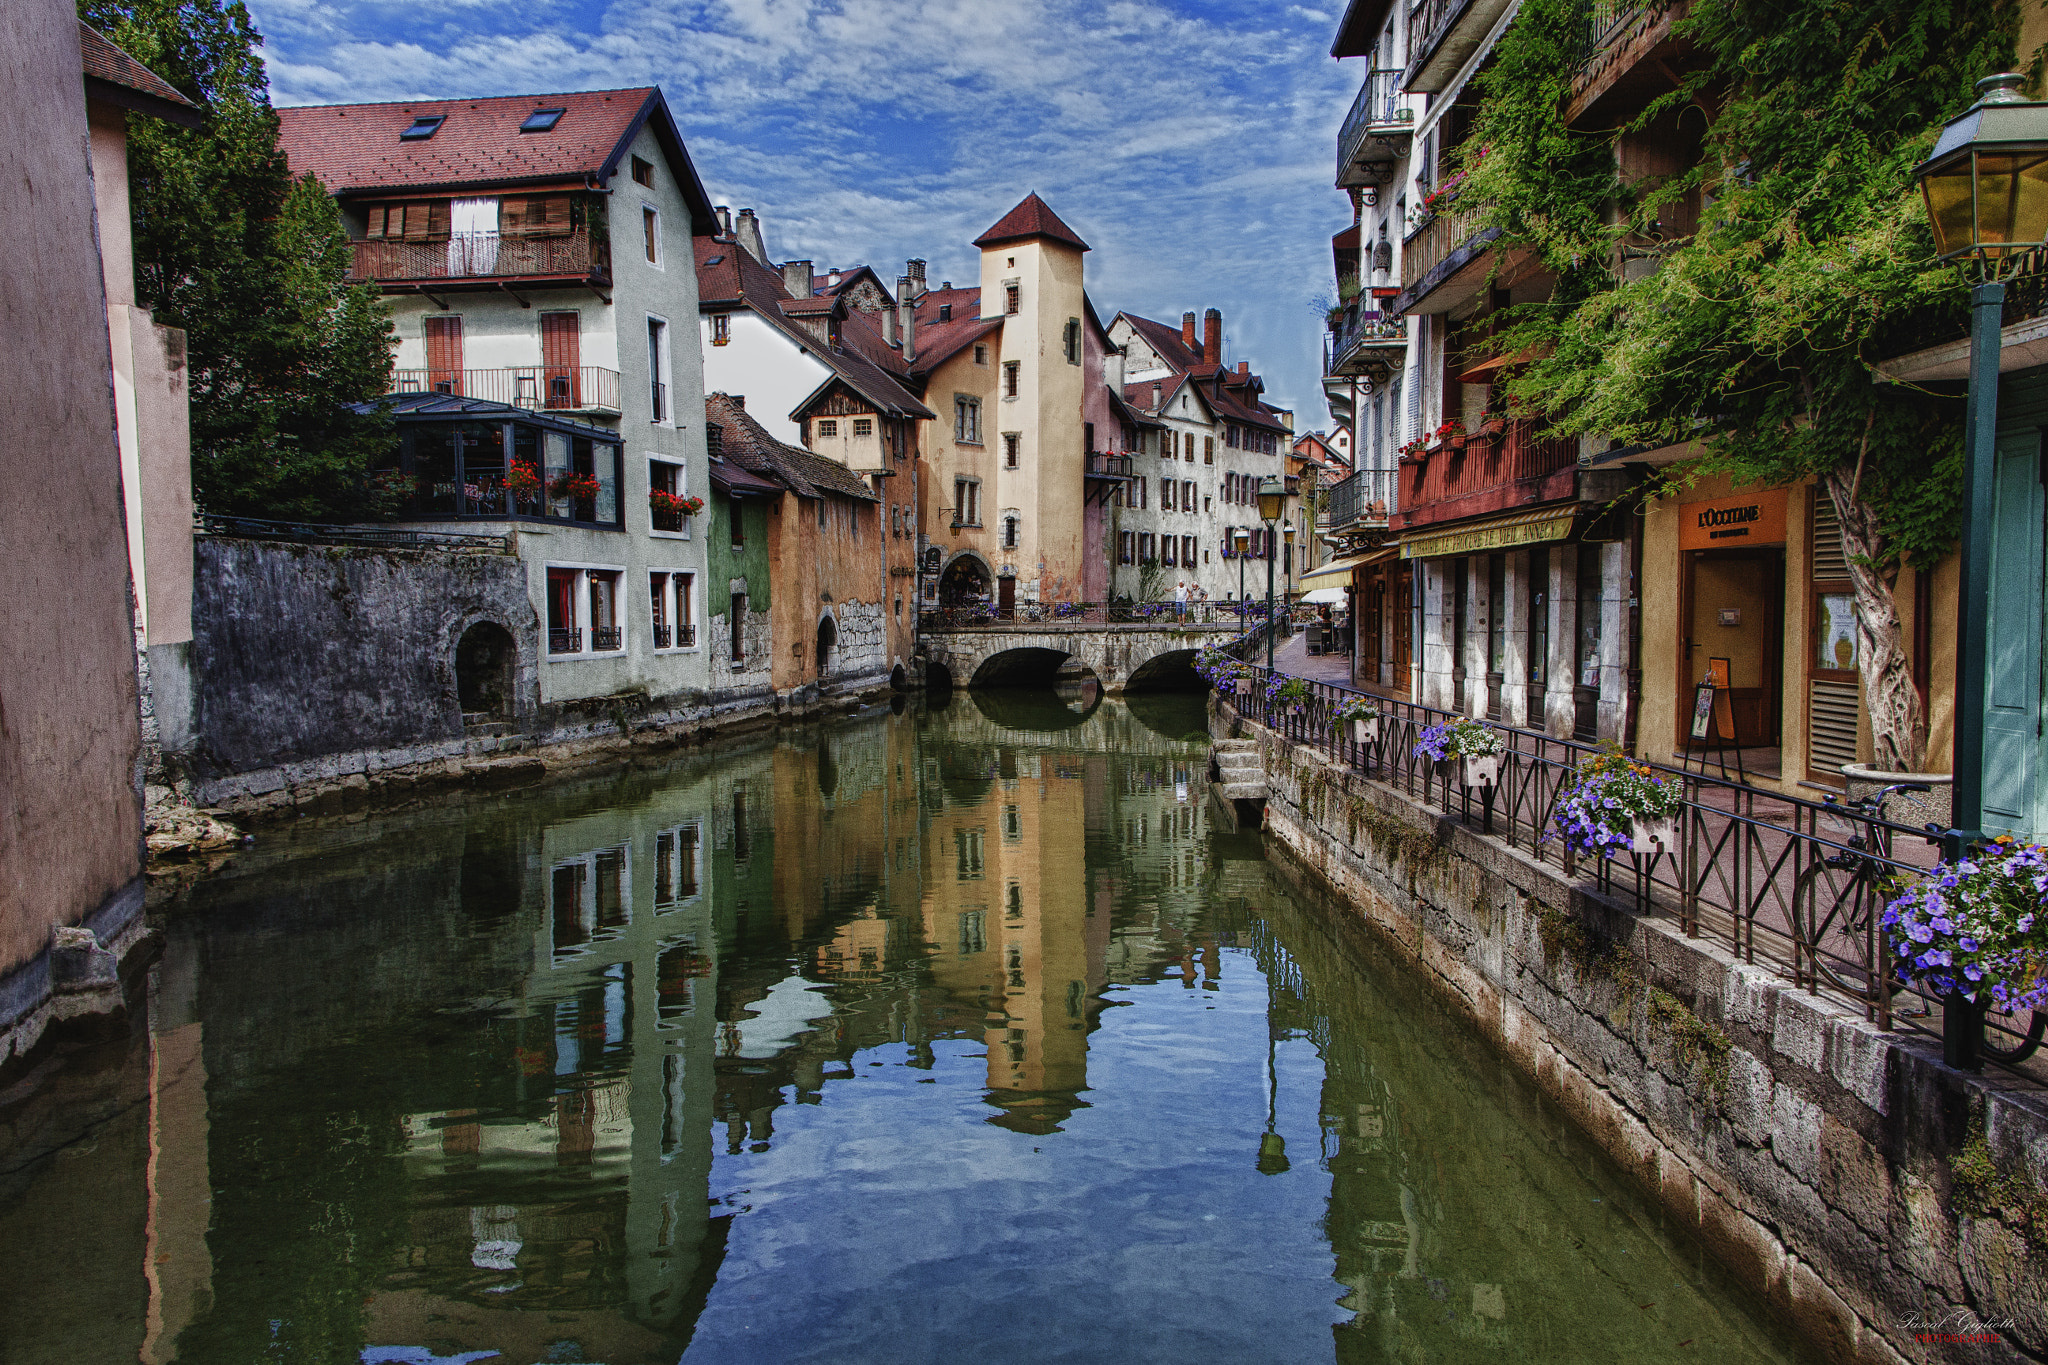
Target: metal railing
(1362, 327)
(567, 640)
(1368, 495)
(316, 533)
(1025, 611)
(1767, 875)
(479, 255)
(607, 637)
(1376, 106)
(542, 388)
(1102, 465)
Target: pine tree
(251, 263)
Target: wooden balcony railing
(1494, 470)
(481, 256)
(540, 387)
(1428, 21)
(1434, 242)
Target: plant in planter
(1362, 714)
(524, 480)
(1978, 928)
(1451, 433)
(661, 500)
(1477, 745)
(570, 486)
(1292, 693)
(1618, 805)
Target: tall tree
(252, 265)
(1758, 335)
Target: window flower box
(1618, 805)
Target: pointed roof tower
(1031, 218)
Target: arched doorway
(484, 658)
(828, 636)
(965, 580)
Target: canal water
(964, 1032)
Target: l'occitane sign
(1732, 522)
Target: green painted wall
(724, 560)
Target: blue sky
(1191, 143)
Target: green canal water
(960, 1033)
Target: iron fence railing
(1370, 495)
(1026, 611)
(316, 533)
(1795, 885)
(1366, 329)
(543, 388)
(1376, 106)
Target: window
(1125, 542)
(821, 514)
(863, 427)
(1187, 551)
(643, 172)
(1169, 445)
(735, 515)
(738, 622)
(981, 355)
(583, 611)
(967, 420)
(657, 370)
(1167, 548)
(827, 427)
(544, 121)
(945, 312)
(1187, 497)
(1010, 530)
(1208, 450)
(721, 329)
(1012, 298)
(666, 476)
(1010, 368)
(1012, 443)
(672, 609)
(1144, 493)
(1145, 554)
(605, 632)
(968, 853)
(1073, 341)
(650, 226)
(423, 127)
(1539, 615)
(967, 502)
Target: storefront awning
(1495, 533)
(1341, 568)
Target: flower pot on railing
(1653, 836)
(1365, 731)
(1244, 686)
(1481, 770)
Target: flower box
(1244, 685)
(1653, 836)
(1481, 770)
(1365, 731)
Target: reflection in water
(955, 1032)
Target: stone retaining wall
(1866, 1192)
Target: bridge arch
(1170, 671)
(1118, 655)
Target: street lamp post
(1986, 184)
(1272, 493)
(1241, 540)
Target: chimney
(1244, 369)
(947, 287)
(889, 326)
(916, 269)
(796, 278)
(906, 318)
(1212, 337)
(724, 221)
(747, 233)
(739, 400)
(833, 279)
(1155, 388)
(1187, 326)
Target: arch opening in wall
(1021, 668)
(485, 657)
(965, 580)
(828, 642)
(899, 680)
(1173, 671)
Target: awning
(1341, 568)
(1495, 533)
(1323, 597)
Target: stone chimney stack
(889, 326)
(916, 270)
(724, 215)
(747, 233)
(1212, 337)
(906, 318)
(1155, 383)
(796, 278)
(1187, 326)
(1244, 369)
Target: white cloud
(1191, 144)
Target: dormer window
(945, 312)
(542, 120)
(423, 127)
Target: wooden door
(560, 359)
(444, 355)
(1006, 597)
(1404, 624)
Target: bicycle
(1854, 911)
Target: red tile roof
(1032, 218)
(121, 79)
(746, 443)
(1164, 339)
(356, 148)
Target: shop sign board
(1755, 517)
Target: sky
(1190, 143)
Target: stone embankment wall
(326, 682)
(1870, 1195)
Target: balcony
(607, 637)
(1368, 497)
(562, 641)
(1365, 341)
(1437, 251)
(1441, 35)
(1375, 132)
(538, 388)
(1626, 56)
(1501, 466)
(482, 259)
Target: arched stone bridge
(1120, 656)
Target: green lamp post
(1272, 497)
(1986, 184)
(1241, 540)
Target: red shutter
(560, 357)
(444, 355)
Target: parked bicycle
(1838, 901)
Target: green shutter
(2012, 701)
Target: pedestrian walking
(1180, 600)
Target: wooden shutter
(552, 214)
(515, 217)
(444, 354)
(374, 227)
(560, 357)
(2012, 691)
(437, 219)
